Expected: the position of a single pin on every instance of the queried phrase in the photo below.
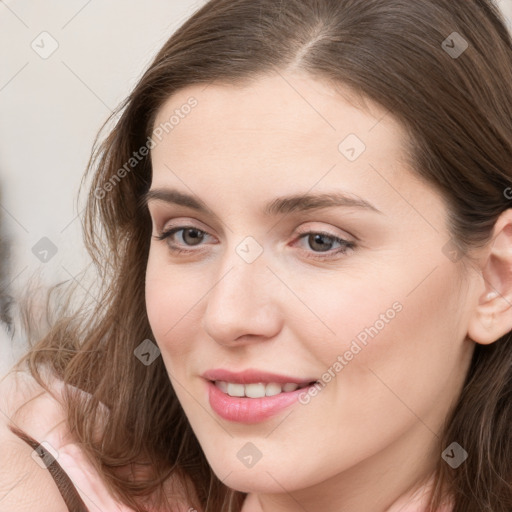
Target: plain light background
(64, 65)
(51, 108)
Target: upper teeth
(257, 390)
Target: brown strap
(66, 488)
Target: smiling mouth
(258, 389)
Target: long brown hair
(452, 92)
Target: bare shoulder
(27, 405)
(17, 388)
(25, 483)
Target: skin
(370, 439)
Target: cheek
(343, 315)
(172, 297)
(398, 348)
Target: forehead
(282, 133)
(281, 102)
(278, 117)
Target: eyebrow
(278, 206)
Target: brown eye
(320, 242)
(321, 245)
(190, 237)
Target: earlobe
(492, 316)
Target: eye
(190, 236)
(321, 242)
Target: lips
(253, 376)
(252, 396)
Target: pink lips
(250, 410)
(249, 376)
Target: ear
(492, 317)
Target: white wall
(52, 107)
(506, 6)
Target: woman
(302, 222)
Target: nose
(243, 305)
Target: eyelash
(345, 244)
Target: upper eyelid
(194, 226)
(171, 231)
(182, 227)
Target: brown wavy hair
(458, 114)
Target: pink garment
(43, 420)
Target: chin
(256, 482)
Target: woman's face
(358, 292)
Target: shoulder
(25, 404)
(29, 407)
(25, 483)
